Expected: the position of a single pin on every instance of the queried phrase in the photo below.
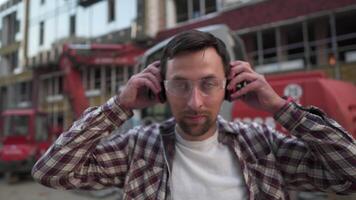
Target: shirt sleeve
(319, 154)
(80, 159)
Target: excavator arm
(91, 55)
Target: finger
(144, 82)
(153, 68)
(240, 62)
(238, 67)
(240, 78)
(245, 90)
(153, 79)
(156, 63)
(234, 71)
(139, 81)
(153, 74)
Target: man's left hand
(257, 93)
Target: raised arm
(78, 159)
(321, 155)
(83, 156)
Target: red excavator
(25, 136)
(336, 98)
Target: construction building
(279, 35)
(14, 82)
(30, 73)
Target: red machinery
(336, 98)
(74, 56)
(25, 134)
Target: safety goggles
(184, 88)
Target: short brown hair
(190, 41)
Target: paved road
(29, 190)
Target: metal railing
(313, 53)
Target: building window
(41, 33)
(25, 90)
(97, 78)
(182, 10)
(130, 71)
(108, 81)
(72, 24)
(191, 9)
(10, 28)
(120, 76)
(196, 9)
(56, 119)
(41, 128)
(14, 60)
(294, 40)
(4, 101)
(111, 10)
(269, 46)
(210, 6)
(11, 61)
(60, 85)
(346, 36)
(52, 86)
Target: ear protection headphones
(228, 93)
(238, 86)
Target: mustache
(195, 112)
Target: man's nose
(195, 99)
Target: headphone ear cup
(162, 95)
(238, 87)
(227, 96)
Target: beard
(199, 128)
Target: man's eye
(208, 85)
(181, 85)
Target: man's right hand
(135, 94)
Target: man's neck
(191, 137)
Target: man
(197, 154)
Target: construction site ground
(27, 189)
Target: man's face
(196, 113)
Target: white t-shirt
(205, 170)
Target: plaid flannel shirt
(319, 155)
